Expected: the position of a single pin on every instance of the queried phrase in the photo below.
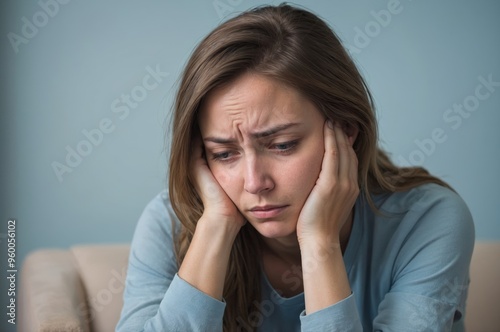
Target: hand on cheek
(331, 200)
(206, 261)
(218, 207)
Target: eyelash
(219, 156)
(290, 146)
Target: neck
(286, 248)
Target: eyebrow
(256, 135)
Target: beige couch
(81, 289)
(75, 290)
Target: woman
(282, 213)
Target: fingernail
(329, 123)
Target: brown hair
(299, 49)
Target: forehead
(252, 102)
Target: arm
(206, 261)
(207, 258)
(426, 265)
(430, 273)
(319, 229)
(156, 298)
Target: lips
(267, 211)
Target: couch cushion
(103, 270)
(484, 293)
(51, 294)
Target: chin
(275, 229)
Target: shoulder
(429, 208)
(421, 199)
(153, 240)
(424, 224)
(427, 226)
(152, 265)
(420, 246)
(157, 217)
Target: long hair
(298, 49)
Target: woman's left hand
(331, 200)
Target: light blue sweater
(408, 270)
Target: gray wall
(70, 73)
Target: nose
(258, 177)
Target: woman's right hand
(207, 258)
(217, 205)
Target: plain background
(74, 69)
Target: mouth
(267, 211)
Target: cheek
(310, 172)
(295, 182)
(227, 179)
(220, 175)
(306, 169)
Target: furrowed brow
(220, 140)
(273, 130)
(256, 135)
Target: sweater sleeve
(430, 275)
(341, 316)
(155, 297)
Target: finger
(343, 147)
(205, 183)
(348, 164)
(197, 161)
(329, 166)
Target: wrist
(215, 228)
(207, 257)
(324, 275)
(320, 245)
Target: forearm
(155, 298)
(324, 274)
(206, 260)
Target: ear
(351, 131)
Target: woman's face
(264, 145)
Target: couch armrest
(483, 301)
(103, 270)
(51, 295)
